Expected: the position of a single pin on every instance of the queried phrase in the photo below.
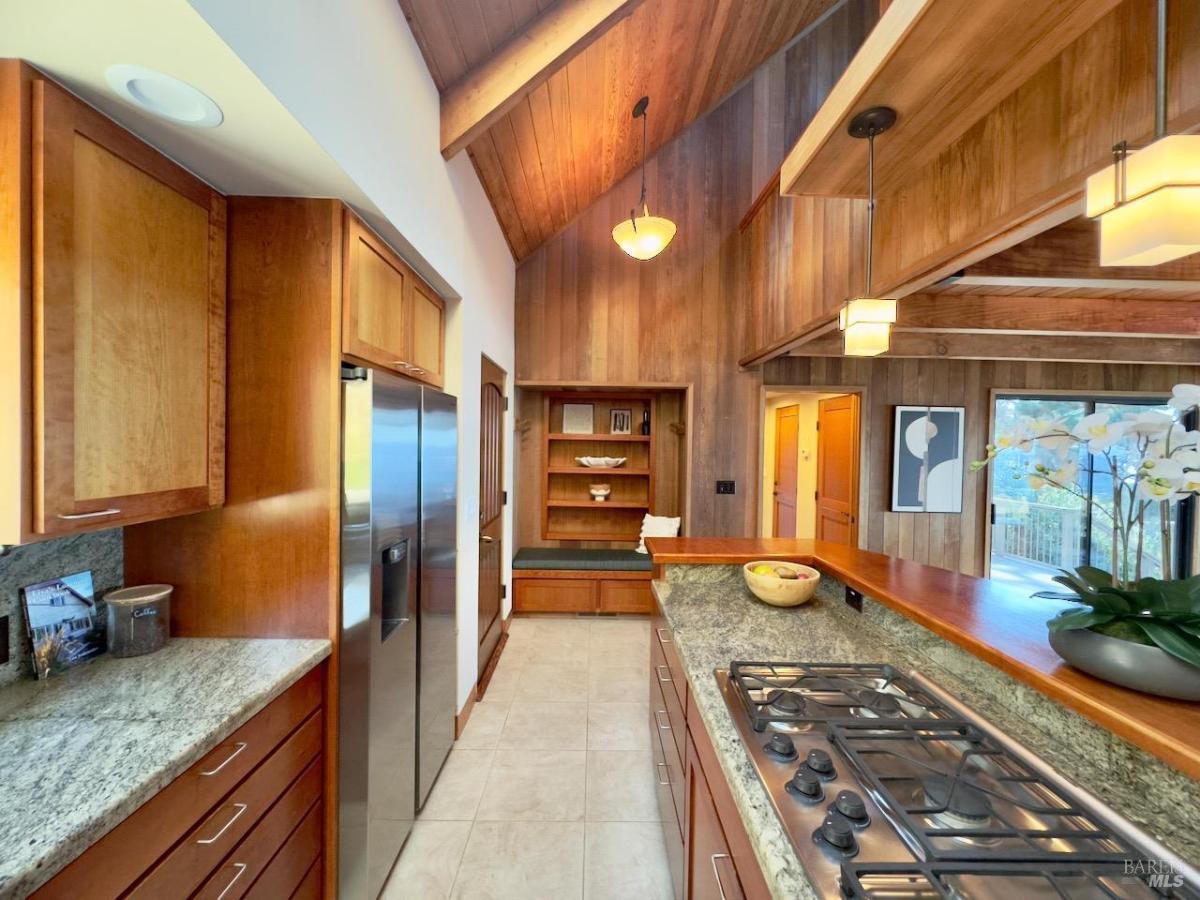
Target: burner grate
(1029, 881)
(799, 693)
(961, 795)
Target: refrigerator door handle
(394, 605)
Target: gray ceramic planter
(1137, 666)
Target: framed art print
(62, 623)
(927, 459)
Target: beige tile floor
(549, 794)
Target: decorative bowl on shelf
(601, 462)
(599, 492)
(781, 583)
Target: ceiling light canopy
(164, 96)
(645, 236)
(866, 321)
(1148, 201)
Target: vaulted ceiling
(541, 91)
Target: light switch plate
(726, 487)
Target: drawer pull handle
(717, 872)
(661, 726)
(241, 867)
(239, 809)
(238, 748)
(667, 772)
(661, 639)
(92, 515)
(659, 670)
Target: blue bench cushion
(569, 558)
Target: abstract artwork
(927, 459)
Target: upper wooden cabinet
(118, 314)
(390, 318)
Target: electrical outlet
(3, 639)
(726, 487)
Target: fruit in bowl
(781, 583)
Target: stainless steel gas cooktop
(889, 789)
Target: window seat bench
(571, 580)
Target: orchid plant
(1160, 466)
(1154, 461)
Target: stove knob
(821, 763)
(781, 747)
(838, 833)
(806, 785)
(850, 805)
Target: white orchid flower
(1035, 481)
(1154, 425)
(1189, 458)
(1014, 437)
(1099, 432)
(1185, 396)
(1161, 479)
(1050, 434)
(1065, 474)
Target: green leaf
(1094, 577)
(1178, 643)
(1079, 618)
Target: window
(1037, 532)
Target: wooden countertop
(994, 623)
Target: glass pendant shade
(1150, 213)
(644, 237)
(866, 324)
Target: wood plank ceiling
(571, 138)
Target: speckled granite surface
(81, 752)
(712, 614)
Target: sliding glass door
(1037, 529)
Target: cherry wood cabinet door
(128, 313)
(375, 300)
(428, 350)
(711, 874)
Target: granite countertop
(712, 616)
(80, 752)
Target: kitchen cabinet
(390, 317)
(711, 874)
(114, 315)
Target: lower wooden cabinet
(245, 821)
(581, 591)
(711, 874)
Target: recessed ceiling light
(164, 96)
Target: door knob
(487, 539)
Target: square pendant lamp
(866, 321)
(1148, 200)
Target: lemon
(763, 569)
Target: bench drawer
(628, 595)
(554, 595)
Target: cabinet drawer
(626, 596)
(671, 721)
(672, 819)
(286, 872)
(246, 863)
(310, 887)
(554, 595)
(121, 857)
(207, 844)
(662, 634)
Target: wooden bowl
(782, 591)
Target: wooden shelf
(942, 70)
(615, 438)
(631, 536)
(593, 504)
(595, 470)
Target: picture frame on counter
(62, 623)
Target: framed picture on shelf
(62, 623)
(620, 421)
(927, 459)
(578, 418)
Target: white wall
(352, 75)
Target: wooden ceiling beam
(1030, 348)
(528, 58)
(1063, 316)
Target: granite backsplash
(100, 551)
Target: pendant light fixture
(866, 321)
(644, 236)
(1148, 201)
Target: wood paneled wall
(951, 541)
(588, 313)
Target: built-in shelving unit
(568, 511)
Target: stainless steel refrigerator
(397, 689)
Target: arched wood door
(491, 508)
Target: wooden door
(787, 453)
(129, 326)
(711, 872)
(837, 470)
(491, 507)
(375, 300)
(427, 333)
